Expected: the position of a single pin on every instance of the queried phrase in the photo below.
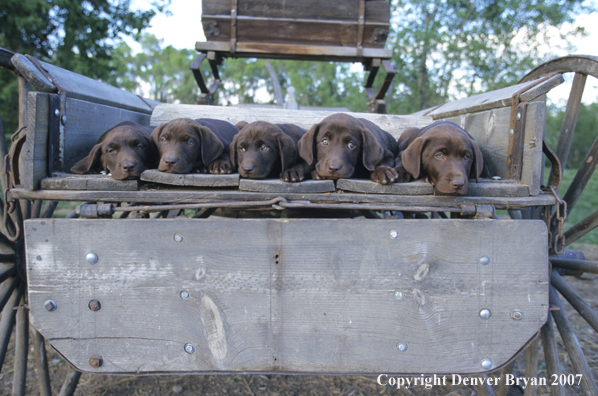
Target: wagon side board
(294, 295)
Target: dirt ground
(279, 385)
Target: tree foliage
(78, 36)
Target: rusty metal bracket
(377, 103)
(207, 94)
(517, 130)
(360, 27)
(233, 26)
(556, 224)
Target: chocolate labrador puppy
(187, 145)
(342, 146)
(125, 150)
(443, 153)
(265, 150)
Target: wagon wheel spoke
(582, 177)
(41, 363)
(578, 359)
(570, 118)
(551, 355)
(70, 383)
(584, 309)
(8, 320)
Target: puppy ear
(241, 124)
(307, 144)
(233, 151)
(412, 157)
(288, 150)
(373, 152)
(211, 146)
(478, 161)
(91, 162)
(155, 136)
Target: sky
(183, 28)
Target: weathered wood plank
(32, 74)
(490, 129)
(288, 295)
(293, 51)
(86, 122)
(393, 124)
(278, 186)
(495, 99)
(67, 181)
(375, 10)
(191, 179)
(33, 163)
(485, 188)
(185, 195)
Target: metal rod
(6, 289)
(8, 321)
(7, 270)
(551, 355)
(578, 359)
(582, 177)
(70, 383)
(531, 367)
(576, 265)
(584, 309)
(41, 363)
(582, 228)
(21, 350)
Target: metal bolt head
(496, 178)
(486, 364)
(94, 305)
(91, 258)
(393, 233)
(63, 120)
(96, 361)
(485, 313)
(516, 314)
(184, 295)
(50, 305)
(178, 237)
(399, 295)
(518, 116)
(484, 260)
(38, 258)
(511, 132)
(56, 112)
(189, 348)
(401, 346)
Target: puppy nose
(170, 161)
(248, 168)
(129, 166)
(457, 184)
(334, 167)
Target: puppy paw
(402, 175)
(315, 176)
(292, 175)
(220, 167)
(384, 175)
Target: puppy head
(185, 145)
(336, 145)
(261, 148)
(125, 151)
(446, 156)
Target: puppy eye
(263, 147)
(351, 145)
(439, 155)
(111, 150)
(466, 157)
(163, 140)
(324, 142)
(140, 146)
(190, 141)
(242, 149)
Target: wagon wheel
(582, 66)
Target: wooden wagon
(143, 278)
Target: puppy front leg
(384, 173)
(221, 165)
(402, 175)
(297, 173)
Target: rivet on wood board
(516, 314)
(178, 237)
(485, 313)
(184, 295)
(38, 258)
(485, 260)
(399, 295)
(486, 364)
(96, 361)
(393, 233)
(56, 112)
(496, 178)
(91, 258)
(401, 346)
(50, 305)
(189, 348)
(511, 132)
(94, 305)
